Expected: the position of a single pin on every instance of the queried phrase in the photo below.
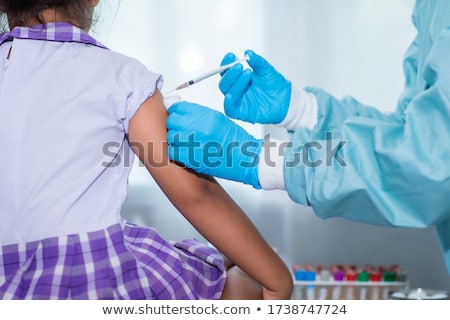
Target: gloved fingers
(173, 153)
(259, 65)
(232, 108)
(233, 99)
(184, 149)
(180, 155)
(178, 138)
(182, 107)
(241, 84)
(178, 121)
(171, 136)
(230, 77)
(190, 115)
(227, 59)
(178, 108)
(189, 108)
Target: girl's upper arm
(203, 201)
(148, 138)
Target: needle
(209, 74)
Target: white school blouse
(64, 114)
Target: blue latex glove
(262, 95)
(210, 143)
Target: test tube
(363, 276)
(299, 275)
(401, 275)
(388, 277)
(351, 277)
(310, 275)
(324, 275)
(375, 276)
(338, 275)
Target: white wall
(346, 47)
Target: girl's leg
(239, 285)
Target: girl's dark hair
(78, 12)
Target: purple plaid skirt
(120, 262)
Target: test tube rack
(346, 290)
(346, 283)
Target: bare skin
(239, 285)
(254, 270)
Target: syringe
(209, 74)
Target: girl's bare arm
(205, 204)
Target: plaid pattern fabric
(59, 31)
(120, 262)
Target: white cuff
(302, 111)
(271, 165)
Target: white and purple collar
(58, 31)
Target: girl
(64, 99)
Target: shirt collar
(58, 31)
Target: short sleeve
(138, 83)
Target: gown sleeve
(376, 168)
(372, 167)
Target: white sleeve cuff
(271, 165)
(302, 112)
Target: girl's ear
(94, 3)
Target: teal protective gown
(378, 168)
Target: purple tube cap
(339, 276)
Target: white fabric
(302, 114)
(302, 111)
(64, 113)
(271, 165)
(171, 100)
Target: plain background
(348, 47)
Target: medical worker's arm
(263, 95)
(333, 112)
(388, 170)
(206, 205)
(314, 108)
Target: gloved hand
(208, 142)
(262, 95)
